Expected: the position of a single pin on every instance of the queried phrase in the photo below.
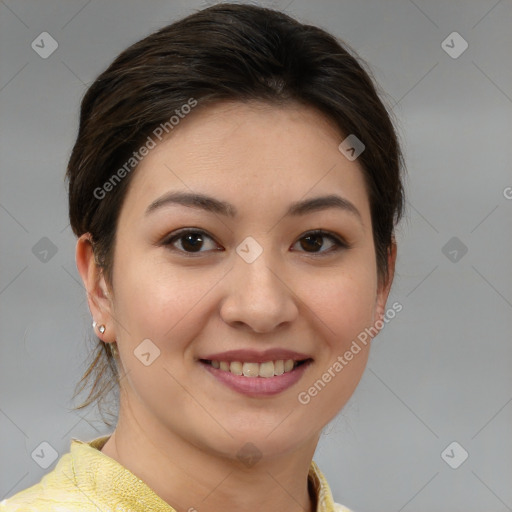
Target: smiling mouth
(264, 370)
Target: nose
(259, 297)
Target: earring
(101, 328)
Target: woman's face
(250, 284)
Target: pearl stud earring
(101, 328)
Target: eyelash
(339, 243)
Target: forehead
(251, 154)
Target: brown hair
(225, 52)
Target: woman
(234, 188)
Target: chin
(268, 440)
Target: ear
(385, 287)
(98, 295)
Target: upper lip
(255, 356)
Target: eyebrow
(210, 204)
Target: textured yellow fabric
(87, 480)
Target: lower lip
(258, 386)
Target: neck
(189, 478)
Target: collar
(85, 474)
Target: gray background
(439, 372)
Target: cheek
(345, 304)
(345, 308)
(156, 301)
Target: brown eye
(191, 241)
(313, 242)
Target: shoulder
(86, 480)
(44, 498)
(35, 499)
(57, 491)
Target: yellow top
(87, 480)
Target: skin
(174, 415)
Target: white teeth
(266, 370)
(288, 365)
(250, 369)
(236, 367)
